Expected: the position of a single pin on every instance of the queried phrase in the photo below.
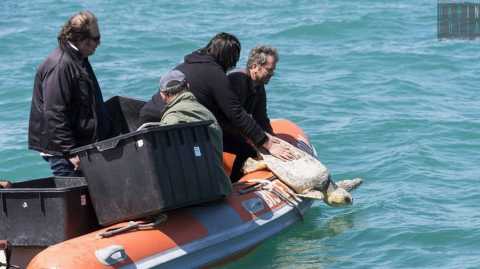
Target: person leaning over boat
(67, 105)
(181, 106)
(205, 70)
(249, 85)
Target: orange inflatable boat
(198, 236)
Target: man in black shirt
(67, 105)
(249, 83)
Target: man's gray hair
(259, 54)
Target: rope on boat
(134, 225)
(288, 201)
(267, 185)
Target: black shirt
(252, 97)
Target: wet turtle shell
(302, 174)
(308, 177)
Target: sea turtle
(306, 175)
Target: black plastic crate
(43, 212)
(152, 170)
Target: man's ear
(253, 70)
(163, 95)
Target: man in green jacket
(181, 106)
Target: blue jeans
(62, 167)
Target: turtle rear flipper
(252, 165)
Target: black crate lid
(45, 185)
(115, 140)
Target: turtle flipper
(349, 184)
(312, 194)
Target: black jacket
(252, 98)
(152, 110)
(210, 85)
(67, 105)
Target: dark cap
(173, 81)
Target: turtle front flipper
(349, 184)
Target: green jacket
(185, 108)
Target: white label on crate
(25, 205)
(83, 200)
(140, 143)
(197, 151)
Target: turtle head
(334, 195)
(338, 197)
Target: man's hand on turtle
(278, 150)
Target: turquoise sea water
(378, 94)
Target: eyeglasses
(270, 71)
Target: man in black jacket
(67, 105)
(205, 70)
(249, 85)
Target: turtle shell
(302, 174)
